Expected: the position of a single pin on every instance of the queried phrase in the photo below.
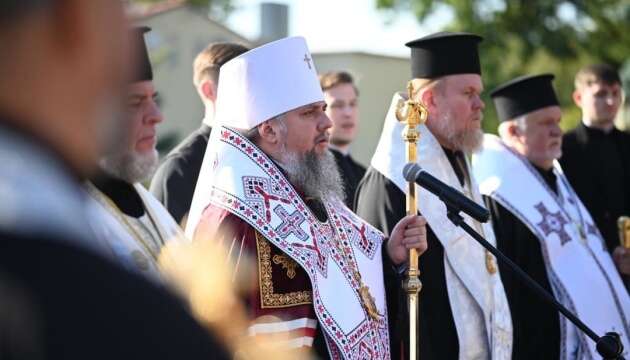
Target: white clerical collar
(606, 128)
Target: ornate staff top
(411, 113)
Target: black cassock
(597, 165)
(174, 182)
(536, 324)
(351, 173)
(69, 303)
(121, 193)
(381, 203)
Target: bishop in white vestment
(269, 190)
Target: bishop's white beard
(130, 166)
(315, 175)
(467, 140)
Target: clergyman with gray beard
(132, 225)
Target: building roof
(140, 13)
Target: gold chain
(118, 214)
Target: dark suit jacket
(598, 167)
(351, 173)
(174, 182)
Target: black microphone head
(410, 171)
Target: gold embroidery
(113, 209)
(287, 263)
(268, 298)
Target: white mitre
(265, 82)
(255, 87)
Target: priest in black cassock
(596, 155)
(541, 224)
(463, 311)
(174, 181)
(60, 297)
(342, 97)
(132, 224)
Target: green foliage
(535, 36)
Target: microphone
(451, 197)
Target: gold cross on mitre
(307, 60)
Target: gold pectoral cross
(367, 300)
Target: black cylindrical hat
(523, 95)
(143, 70)
(445, 53)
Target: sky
(342, 25)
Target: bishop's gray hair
(253, 134)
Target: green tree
(535, 36)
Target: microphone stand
(608, 346)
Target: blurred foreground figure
(60, 298)
(542, 225)
(133, 223)
(269, 190)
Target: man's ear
(208, 90)
(427, 99)
(268, 133)
(514, 129)
(509, 130)
(577, 97)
